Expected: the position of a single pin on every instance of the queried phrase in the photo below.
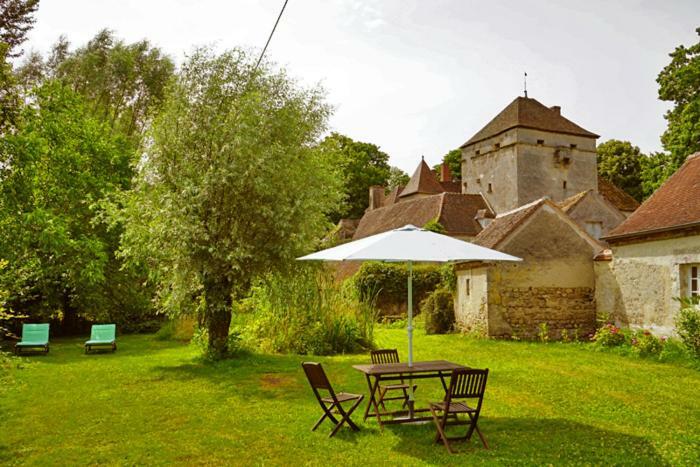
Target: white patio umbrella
(409, 244)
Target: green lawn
(154, 402)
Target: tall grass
(307, 312)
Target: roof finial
(525, 83)
(422, 158)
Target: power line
(270, 37)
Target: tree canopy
(360, 165)
(232, 186)
(454, 161)
(16, 19)
(397, 178)
(621, 163)
(679, 83)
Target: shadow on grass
(536, 441)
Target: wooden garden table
(400, 371)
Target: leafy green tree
(397, 178)
(679, 82)
(232, 187)
(55, 170)
(361, 165)
(656, 168)
(454, 161)
(124, 83)
(16, 19)
(621, 164)
(434, 226)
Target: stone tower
(526, 152)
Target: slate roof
(674, 206)
(505, 223)
(422, 181)
(525, 112)
(616, 196)
(454, 211)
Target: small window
(467, 287)
(478, 181)
(563, 184)
(694, 280)
(490, 188)
(497, 145)
(477, 152)
(572, 146)
(540, 142)
(464, 185)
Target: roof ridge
(523, 207)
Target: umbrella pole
(410, 337)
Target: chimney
(556, 109)
(376, 197)
(445, 175)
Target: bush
(307, 312)
(609, 335)
(439, 312)
(645, 344)
(388, 283)
(688, 328)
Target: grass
(155, 402)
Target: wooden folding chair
(464, 384)
(330, 404)
(390, 356)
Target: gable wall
(554, 283)
(592, 208)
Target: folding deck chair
(34, 336)
(332, 404)
(390, 356)
(464, 384)
(102, 335)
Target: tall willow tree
(232, 186)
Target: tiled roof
(526, 112)
(616, 196)
(505, 223)
(675, 205)
(422, 181)
(393, 196)
(454, 211)
(452, 186)
(572, 201)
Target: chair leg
(382, 394)
(346, 417)
(474, 427)
(441, 431)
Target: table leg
(374, 401)
(371, 398)
(442, 380)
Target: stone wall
(638, 286)
(518, 312)
(593, 208)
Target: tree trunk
(219, 307)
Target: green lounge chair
(34, 336)
(102, 335)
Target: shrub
(543, 333)
(307, 312)
(609, 335)
(688, 328)
(438, 309)
(388, 282)
(645, 344)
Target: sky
(419, 78)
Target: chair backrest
(35, 332)
(467, 383)
(384, 356)
(316, 376)
(103, 332)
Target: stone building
(554, 284)
(654, 256)
(526, 152)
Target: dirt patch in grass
(276, 381)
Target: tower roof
(423, 181)
(525, 112)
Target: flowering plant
(609, 335)
(645, 343)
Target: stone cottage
(654, 255)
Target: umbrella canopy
(409, 243)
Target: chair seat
(455, 407)
(342, 397)
(99, 342)
(32, 343)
